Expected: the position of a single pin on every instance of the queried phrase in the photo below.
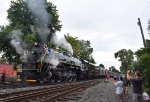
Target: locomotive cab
(27, 72)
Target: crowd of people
(122, 87)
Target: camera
(129, 72)
(115, 78)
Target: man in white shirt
(119, 88)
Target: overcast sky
(110, 25)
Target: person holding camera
(126, 84)
(119, 88)
(137, 86)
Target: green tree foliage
(21, 18)
(19, 14)
(126, 58)
(9, 53)
(75, 43)
(143, 56)
(86, 51)
(113, 69)
(81, 48)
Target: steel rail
(55, 91)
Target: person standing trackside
(3, 78)
(107, 76)
(137, 86)
(126, 84)
(119, 88)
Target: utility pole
(139, 23)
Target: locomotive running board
(27, 80)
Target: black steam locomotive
(47, 65)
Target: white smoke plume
(41, 18)
(62, 43)
(16, 41)
(19, 44)
(52, 59)
(41, 22)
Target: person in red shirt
(107, 76)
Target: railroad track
(9, 85)
(52, 93)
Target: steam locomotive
(46, 65)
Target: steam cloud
(62, 43)
(66, 45)
(16, 41)
(52, 59)
(41, 18)
(19, 44)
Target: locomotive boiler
(46, 65)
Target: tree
(19, 14)
(143, 59)
(113, 69)
(75, 43)
(126, 58)
(21, 18)
(81, 48)
(9, 53)
(86, 51)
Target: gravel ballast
(103, 92)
